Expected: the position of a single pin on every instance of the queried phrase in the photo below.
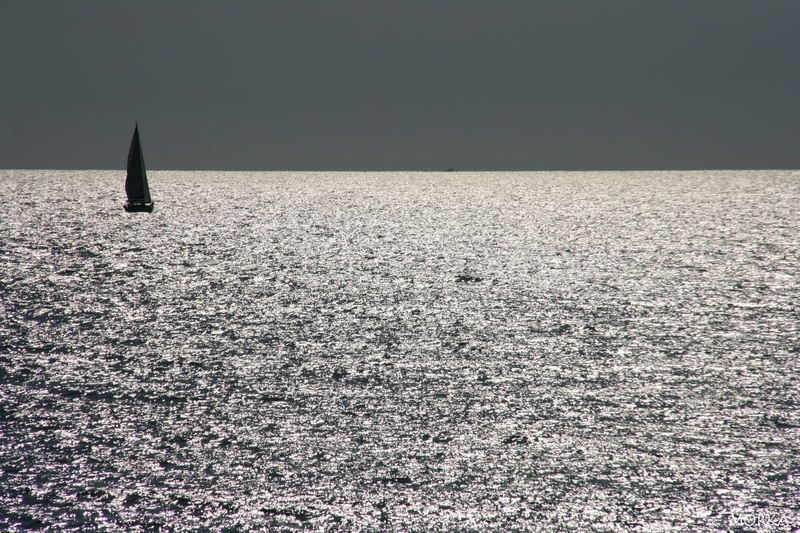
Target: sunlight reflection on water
(401, 351)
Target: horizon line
(442, 171)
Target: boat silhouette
(136, 180)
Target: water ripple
(400, 351)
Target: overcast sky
(401, 85)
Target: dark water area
(459, 351)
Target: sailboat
(136, 181)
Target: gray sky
(405, 85)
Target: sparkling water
(610, 351)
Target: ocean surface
(282, 351)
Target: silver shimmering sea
(610, 351)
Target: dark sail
(136, 181)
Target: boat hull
(138, 207)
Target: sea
(401, 351)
